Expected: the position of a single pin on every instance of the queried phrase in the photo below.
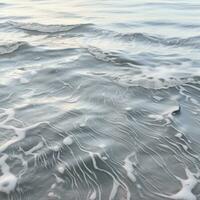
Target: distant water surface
(99, 100)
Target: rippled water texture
(99, 100)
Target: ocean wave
(173, 24)
(12, 47)
(133, 71)
(45, 29)
(91, 30)
(112, 57)
(193, 42)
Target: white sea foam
(187, 185)
(128, 166)
(61, 168)
(93, 195)
(8, 180)
(68, 140)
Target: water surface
(99, 100)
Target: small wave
(12, 47)
(193, 42)
(133, 72)
(46, 29)
(113, 57)
(173, 24)
(95, 31)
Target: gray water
(99, 100)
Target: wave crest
(193, 42)
(96, 31)
(45, 29)
(12, 47)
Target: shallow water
(99, 100)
